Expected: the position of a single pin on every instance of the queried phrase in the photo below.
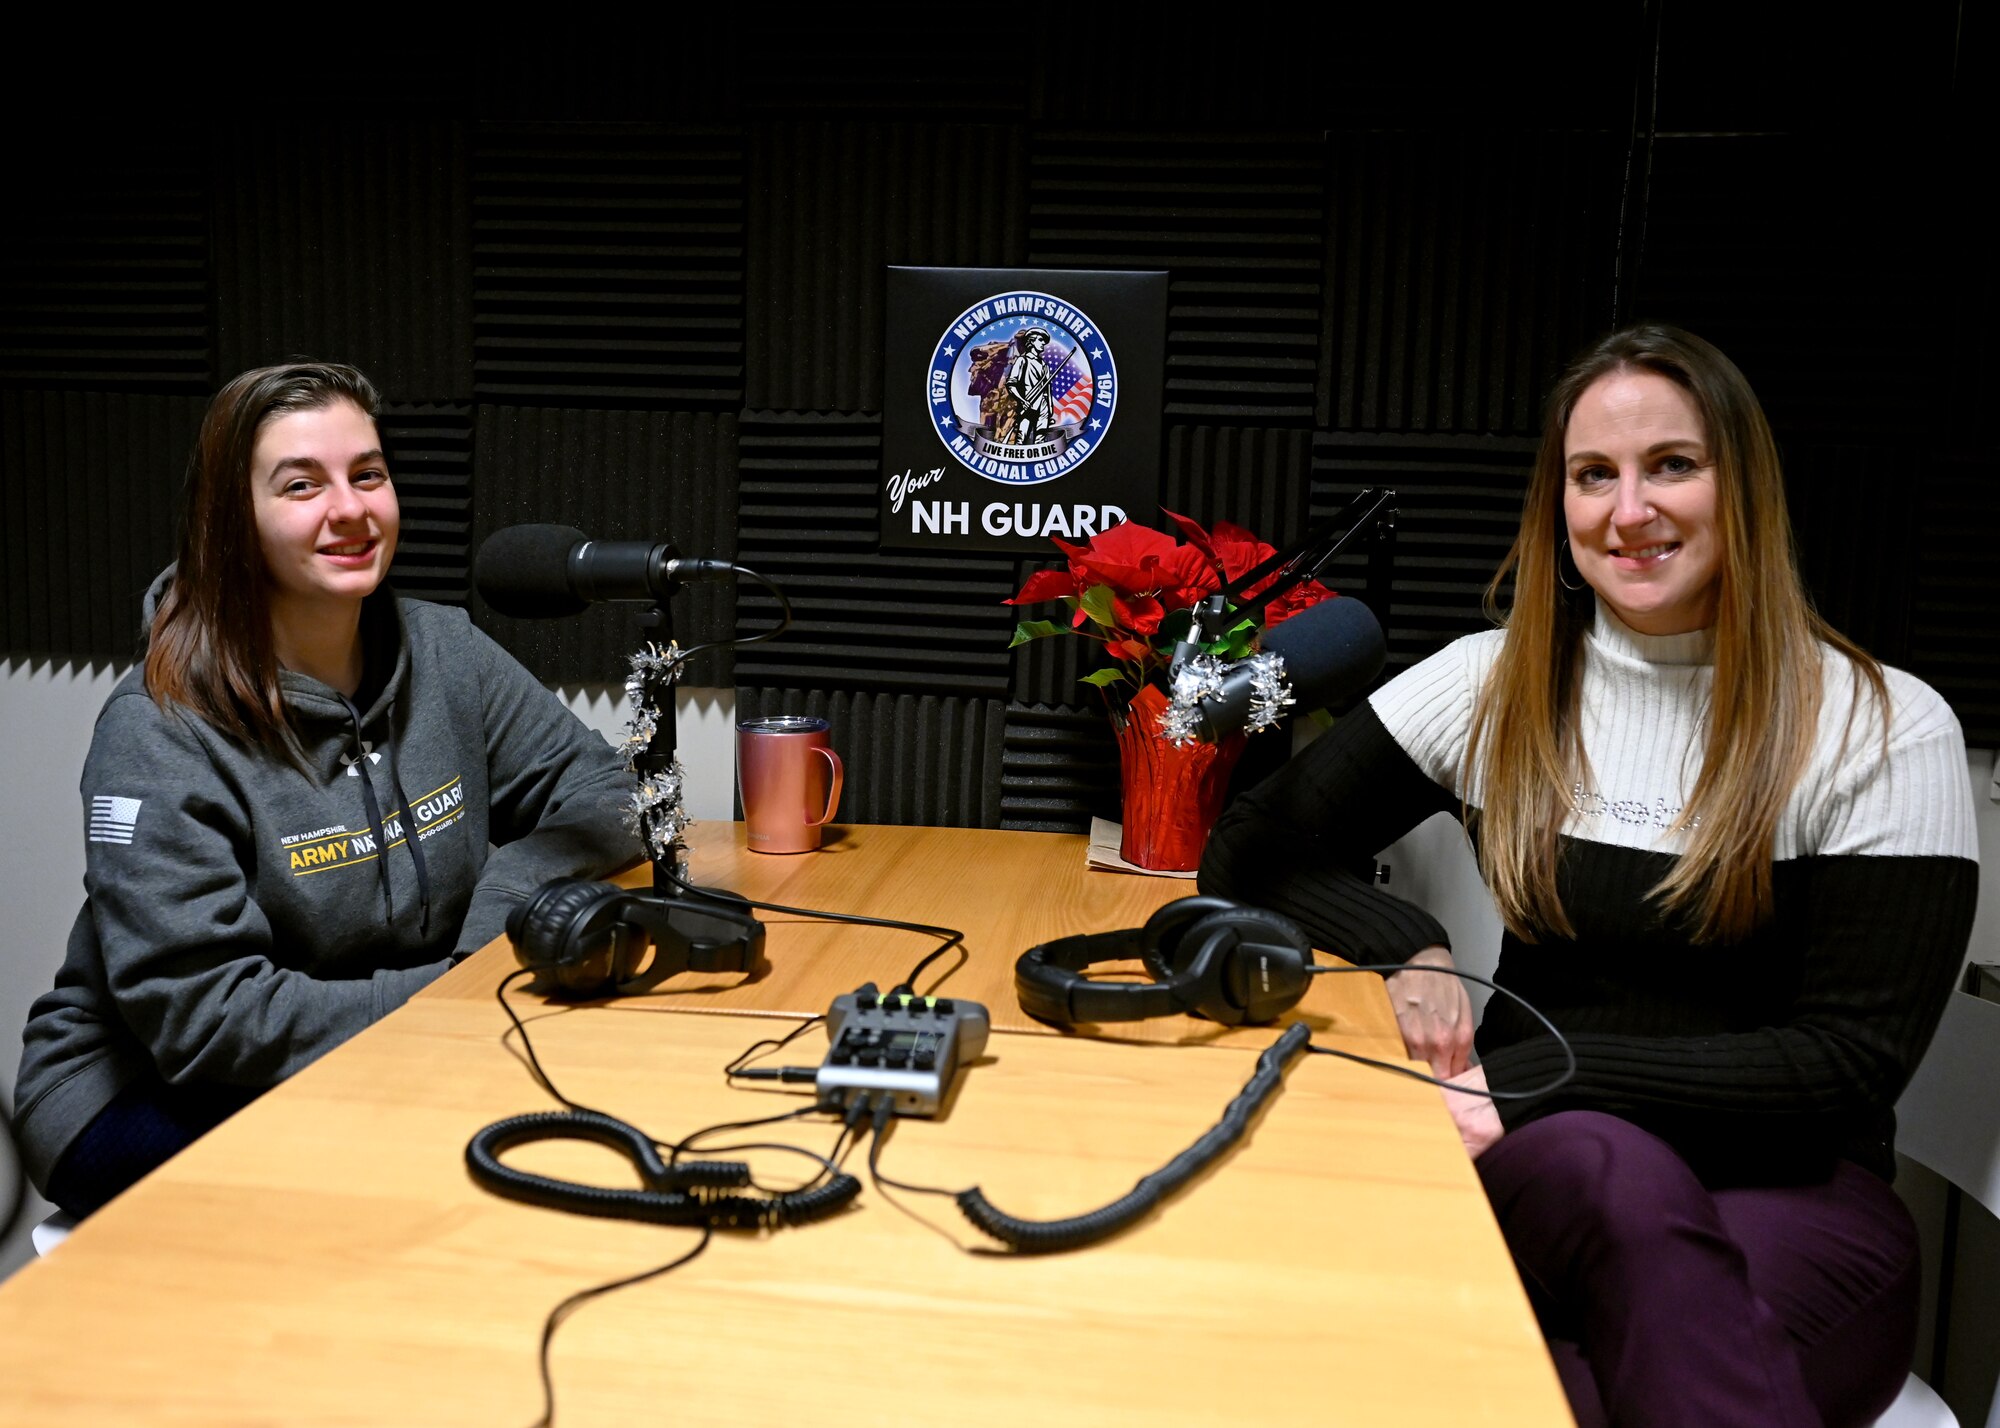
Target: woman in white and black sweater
(1736, 862)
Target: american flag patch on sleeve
(112, 819)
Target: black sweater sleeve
(1303, 843)
(1883, 939)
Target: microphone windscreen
(524, 571)
(1332, 652)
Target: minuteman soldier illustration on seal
(1028, 382)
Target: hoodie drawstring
(360, 770)
(416, 847)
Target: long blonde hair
(1526, 742)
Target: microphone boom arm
(1371, 513)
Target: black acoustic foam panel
(346, 241)
(1459, 505)
(1850, 333)
(888, 64)
(1905, 69)
(689, 68)
(1339, 67)
(1380, 249)
(87, 514)
(1235, 219)
(1463, 270)
(1255, 477)
(1862, 573)
(909, 758)
(608, 265)
(649, 475)
(1060, 769)
(104, 269)
(1837, 324)
(430, 459)
(863, 620)
(832, 204)
(1958, 593)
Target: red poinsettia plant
(1134, 589)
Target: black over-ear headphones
(1206, 955)
(588, 939)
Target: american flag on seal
(1071, 390)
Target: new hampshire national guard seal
(1022, 388)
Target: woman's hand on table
(1433, 1012)
(1477, 1121)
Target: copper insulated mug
(789, 780)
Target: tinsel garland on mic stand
(1200, 678)
(658, 812)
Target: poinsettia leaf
(1192, 532)
(1098, 603)
(1104, 678)
(1174, 624)
(1035, 630)
(1044, 585)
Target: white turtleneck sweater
(1758, 1059)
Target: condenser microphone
(543, 572)
(1332, 652)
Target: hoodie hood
(155, 593)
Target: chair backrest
(1949, 1117)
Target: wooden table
(1007, 891)
(324, 1259)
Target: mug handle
(835, 774)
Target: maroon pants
(1668, 1302)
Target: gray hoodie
(243, 918)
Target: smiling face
(325, 510)
(1640, 502)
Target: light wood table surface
(324, 1259)
(1007, 891)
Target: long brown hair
(210, 648)
(1526, 744)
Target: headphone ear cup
(1160, 940)
(551, 935)
(1241, 964)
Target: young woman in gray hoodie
(309, 800)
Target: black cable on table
(1094, 1226)
(774, 1044)
(568, 1306)
(951, 935)
(528, 1044)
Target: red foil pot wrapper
(1173, 793)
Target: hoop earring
(1572, 560)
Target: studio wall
(637, 286)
